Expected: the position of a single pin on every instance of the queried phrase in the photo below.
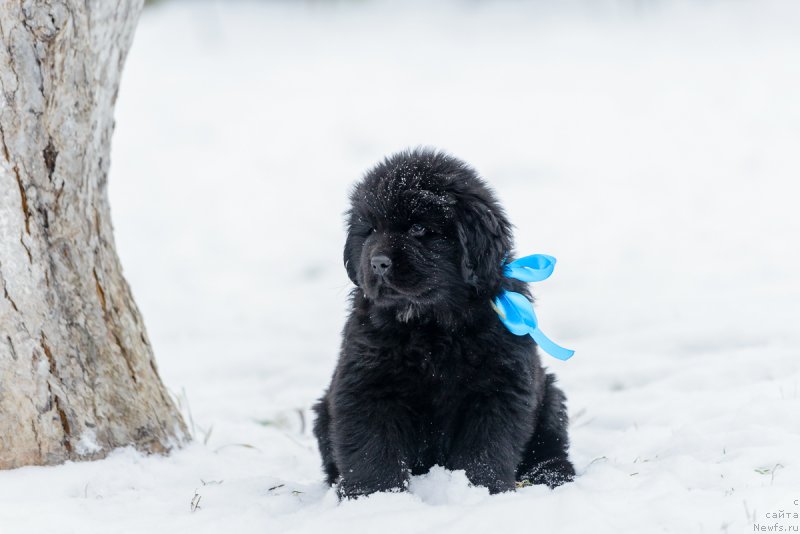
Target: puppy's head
(425, 232)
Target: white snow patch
(440, 487)
(87, 444)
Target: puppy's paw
(346, 492)
(553, 472)
(349, 490)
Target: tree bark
(77, 375)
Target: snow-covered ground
(653, 147)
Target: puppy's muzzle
(380, 264)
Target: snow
(88, 443)
(651, 147)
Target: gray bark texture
(77, 375)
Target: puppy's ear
(350, 258)
(485, 237)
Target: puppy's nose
(380, 264)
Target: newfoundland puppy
(428, 374)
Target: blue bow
(516, 311)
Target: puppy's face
(423, 233)
(405, 250)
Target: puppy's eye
(363, 231)
(417, 230)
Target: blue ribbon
(516, 311)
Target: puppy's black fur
(427, 372)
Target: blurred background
(651, 146)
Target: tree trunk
(77, 375)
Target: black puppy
(427, 372)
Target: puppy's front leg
(373, 445)
(489, 442)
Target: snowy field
(653, 147)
